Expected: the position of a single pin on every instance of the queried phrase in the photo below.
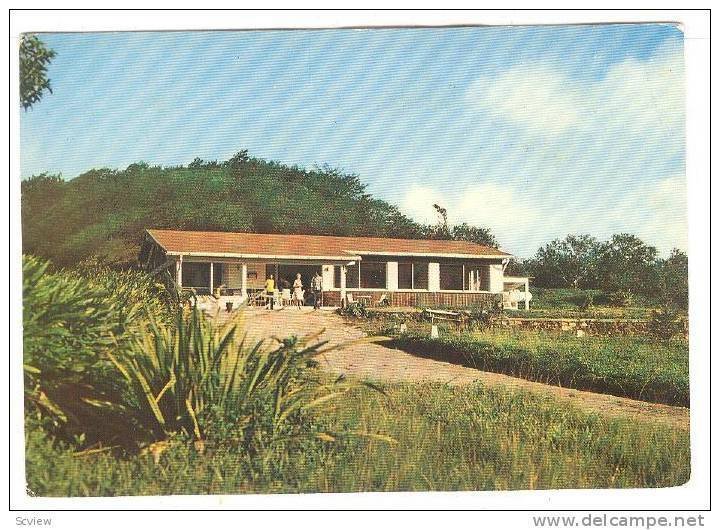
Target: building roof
(249, 245)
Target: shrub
(68, 322)
(586, 302)
(102, 366)
(191, 375)
(621, 299)
(355, 309)
(664, 324)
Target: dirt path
(367, 358)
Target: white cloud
(635, 96)
(657, 213)
(507, 212)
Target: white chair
(285, 297)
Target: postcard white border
(693, 495)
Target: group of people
(297, 297)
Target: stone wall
(581, 326)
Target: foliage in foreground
(35, 57)
(448, 438)
(103, 371)
(633, 367)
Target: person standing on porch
(316, 286)
(298, 290)
(270, 292)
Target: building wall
(421, 298)
(496, 278)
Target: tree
(475, 234)
(34, 60)
(569, 262)
(626, 263)
(674, 279)
(461, 232)
(442, 230)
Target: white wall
(434, 277)
(328, 277)
(391, 276)
(496, 278)
(233, 272)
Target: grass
(567, 303)
(635, 367)
(125, 397)
(446, 438)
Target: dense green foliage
(448, 438)
(634, 367)
(107, 363)
(103, 212)
(35, 57)
(624, 268)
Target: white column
(433, 277)
(328, 277)
(178, 272)
(343, 289)
(527, 300)
(496, 278)
(243, 280)
(391, 276)
(212, 278)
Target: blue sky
(536, 132)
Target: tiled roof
(296, 245)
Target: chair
(285, 297)
(258, 299)
(350, 299)
(383, 300)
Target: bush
(621, 299)
(586, 302)
(102, 366)
(664, 324)
(356, 310)
(68, 324)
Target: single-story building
(408, 272)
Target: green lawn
(462, 438)
(632, 366)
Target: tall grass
(633, 367)
(447, 438)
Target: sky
(534, 132)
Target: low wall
(581, 326)
(421, 298)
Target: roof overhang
(431, 255)
(289, 257)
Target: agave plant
(185, 376)
(105, 366)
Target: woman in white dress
(298, 291)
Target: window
(420, 275)
(196, 274)
(351, 277)
(478, 278)
(405, 275)
(373, 274)
(270, 268)
(412, 276)
(451, 277)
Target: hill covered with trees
(103, 212)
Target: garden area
(127, 393)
